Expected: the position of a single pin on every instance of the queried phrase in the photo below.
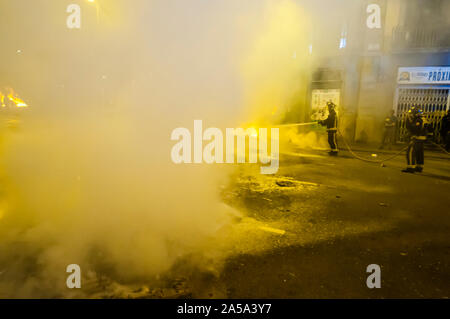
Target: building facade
(380, 43)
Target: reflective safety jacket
(417, 127)
(331, 122)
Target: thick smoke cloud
(87, 177)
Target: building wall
(379, 68)
(412, 33)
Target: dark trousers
(332, 140)
(415, 153)
(388, 137)
(419, 153)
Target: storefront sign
(424, 75)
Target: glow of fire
(17, 101)
(13, 98)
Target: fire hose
(443, 149)
(356, 155)
(386, 159)
(296, 124)
(389, 158)
(371, 160)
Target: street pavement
(313, 228)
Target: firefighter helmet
(330, 104)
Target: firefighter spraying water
(331, 122)
(106, 171)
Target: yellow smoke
(277, 58)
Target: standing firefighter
(417, 129)
(331, 123)
(390, 123)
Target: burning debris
(11, 99)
